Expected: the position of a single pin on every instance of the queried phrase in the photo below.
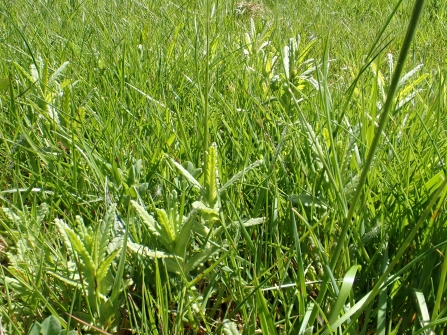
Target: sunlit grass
(222, 167)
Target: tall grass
(222, 168)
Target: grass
(222, 167)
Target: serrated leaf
(186, 174)
(209, 214)
(42, 211)
(57, 73)
(410, 74)
(145, 251)
(34, 73)
(167, 229)
(72, 239)
(210, 189)
(12, 216)
(104, 231)
(286, 61)
(66, 100)
(412, 86)
(86, 234)
(251, 222)
(103, 270)
(60, 225)
(44, 79)
(71, 282)
(230, 328)
(150, 223)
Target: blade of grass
(374, 145)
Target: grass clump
(222, 168)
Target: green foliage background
(193, 167)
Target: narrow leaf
(58, 72)
(240, 175)
(186, 174)
(348, 282)
(150, 223)
(423, 314)
(199, 258)
(104, 268)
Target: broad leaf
(50, 326)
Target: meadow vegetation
(223, 167)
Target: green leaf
(150, 223)
(32, 75)
(423, 314)
(81, 251)
(348, 282)
(103, 270)
(12, 216)
(199, 258)
(71, 282)
(35, 329)
(250, 222)
(42, 211)
(305, 323)
(240, 175)
(103, 233)
(4, 84)
(186, 174)
(184, 236)
(71, 238)
(56, 74)
(167, 229)
(145, 251)
(210, 190)
(117, 285)
(66, 102)
(71, 332)
(209, 214)
(50, 326)
(308, 201)
(230, 328)
(267, 324)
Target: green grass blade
(345, 291)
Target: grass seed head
(251, 9)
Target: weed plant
(222, 167)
